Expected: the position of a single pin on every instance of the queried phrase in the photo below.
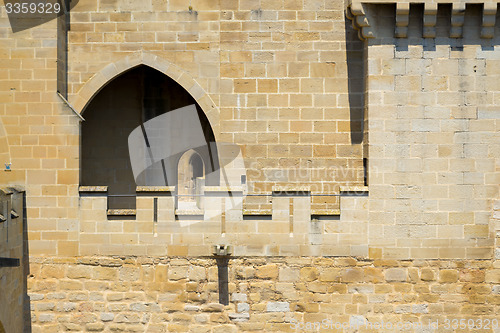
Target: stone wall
(175, 294)
(12, 273)
(285, 80)
(433, 136)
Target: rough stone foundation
(124, 294)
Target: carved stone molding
(430, 19)
(356, 13)
(457, 20)
(362, 22)
(402, 19)
(489, 18)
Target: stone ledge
(223, 189)
(189, 212)
(257, 212)
(325, 212)
(93, 189)
(142, 189)
(121, 212)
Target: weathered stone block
(396, 274)
(493, 276)
(309, 274)
(288, 274)
(267, 271)
(448, 276)
(278, 307)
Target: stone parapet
(158, 227)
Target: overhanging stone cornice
(356, 12)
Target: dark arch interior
(197, 165)
(121, 106)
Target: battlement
(158, 226)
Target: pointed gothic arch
(97, 82)
(123, 104)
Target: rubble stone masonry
(177, 294)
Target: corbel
(457, 20)
(430, 19)
(356, 13)
(489, 18)
(402, 19)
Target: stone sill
(325, 212)
(93, 189)
(223, 189)
(257, 212)
(121, 212)
(142, 189)
(189, 212)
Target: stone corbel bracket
(457, 20)
(402, 19)
(430, 19)
(356, 13)
(489, 20)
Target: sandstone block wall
(277, 73)
(273, 78)
(285, 80)
(433, 138)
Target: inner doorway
(191, 172)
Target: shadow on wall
(25, 264)
(14, 262)
(356, 84)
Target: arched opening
(127, 103)
(191, 179)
